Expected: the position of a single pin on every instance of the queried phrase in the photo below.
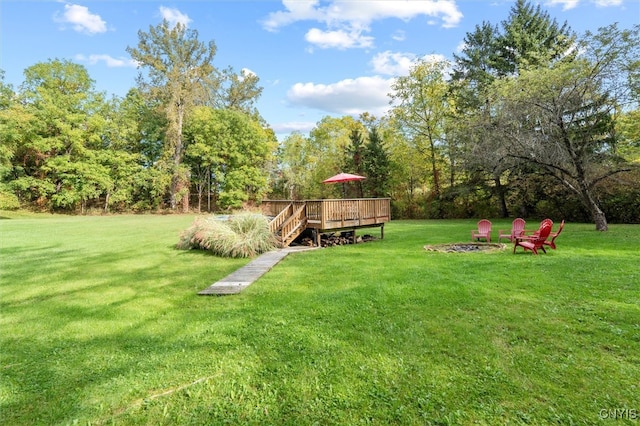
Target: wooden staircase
(289, 223)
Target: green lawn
(101, 324)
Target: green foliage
(447, 150)
(475, 66)
(367, 156)
(33, 191)
(569, 137)
(562, 113)
(180, 74)
(8, 200)
(307, 161)
(530, 39)
(228, 152)
(376, 166)
(422, 109)
(242, 235)
(621, 198)
(354, 153)
(628, 132)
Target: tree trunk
(434, 170)
(500, 192)
(175, 181)
(185, 202)
(179, 181)
(601, 221)
(599, 217)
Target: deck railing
(293, 225)
(336, 213)
(276, 223)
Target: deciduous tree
(421, 110)
(229, 151)
(180, 71)
(57, 132)
(561, 118)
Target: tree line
(529, 119)
(188, 127)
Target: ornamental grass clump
(252, 231)
(242, 235)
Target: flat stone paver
(237, 281)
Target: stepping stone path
(245, 276)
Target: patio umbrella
(342, 178)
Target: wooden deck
(292, 217)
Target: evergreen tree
(530, 38)
(354, 153)
(376, 166)
(475, 67)
(354, 158)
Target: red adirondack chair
(483, 231)
(517, 229)
(536, 241)
(552, 242)
(528, 232)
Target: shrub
(8, 201)
(242, 235)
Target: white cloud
(399, 63)
(399, 35)
(174, 16)
(81, 19)
(363, 12)
(347, 20)
(346, 97)
(607, 3)
(338, 39)
(296, 10)
(108, 60)
(363, 94)
(393, 63)
(572, 4)
(566, 4)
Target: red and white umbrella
(342, 178)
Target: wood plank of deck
(245, 276)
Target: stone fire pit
(465, 247)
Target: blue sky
(314, 58)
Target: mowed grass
(102, 324)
